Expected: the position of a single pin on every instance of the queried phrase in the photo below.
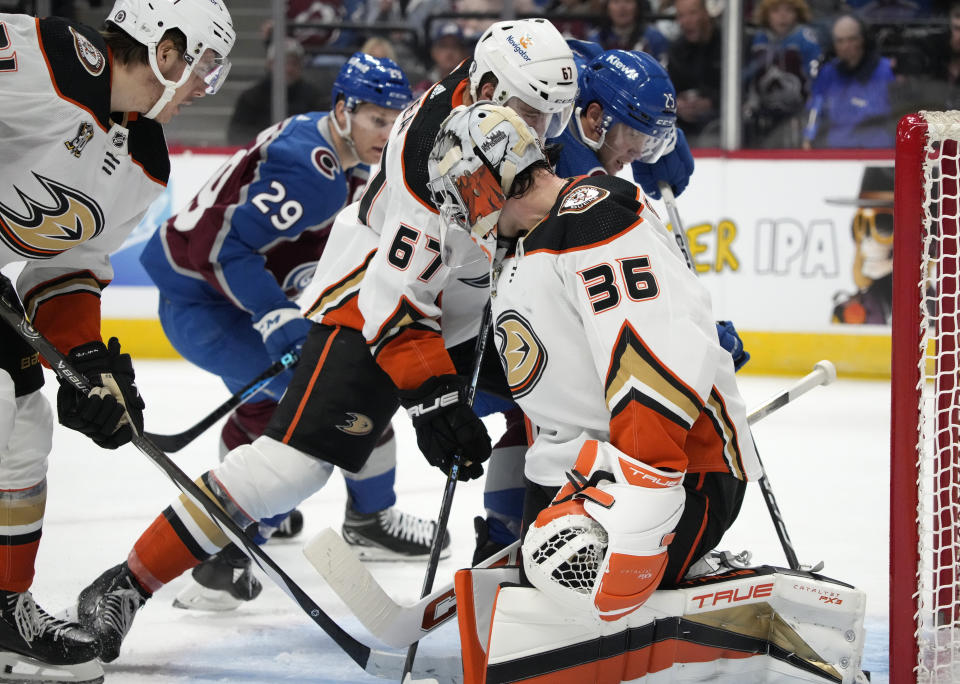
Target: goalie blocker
(746, 625)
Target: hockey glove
(730, 340)
(446, 425)
(104, 414)
(675, 168)
(283, 330)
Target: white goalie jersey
(75, 181)
(658, 385)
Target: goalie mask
(533, 64)
(634, 90)
(206, 25)
(476, 157)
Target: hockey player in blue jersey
(229, 266)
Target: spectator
(784, 56)
(850, 104)
(570, 17)
(946, 67)
(625, 28)
(447, 49)
(694, 66)
(252, 112)
(379, 47)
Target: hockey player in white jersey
(609, 346)
(85, 156)
(376, 302)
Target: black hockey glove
(446, 425)
(105, 413)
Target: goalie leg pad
(603, 541)
(267, 477)
(476, 590)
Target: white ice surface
(826, 456)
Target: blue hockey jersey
(254, 233)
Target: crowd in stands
(815, 73)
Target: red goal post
(925, 403)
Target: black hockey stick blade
(172, 443)
(375, 662)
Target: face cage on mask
(461, 243)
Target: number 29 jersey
(604, 333)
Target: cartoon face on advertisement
(872, 268)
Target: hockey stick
(375, 662)
(666, 192)
(451, 485)
(397, 624)
(172, 443)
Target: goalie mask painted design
(476, 157)
(206, 25)
(633, 90)
(532, 63)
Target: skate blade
(16, 668)
(376, 554)
(195, 596)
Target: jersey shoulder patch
(589, 211)
(148, 148)
(76, 56)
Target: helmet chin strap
(594, 145)
(169, 87)
(344, 132)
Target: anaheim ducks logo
(581, 198)
(357, 424)
(46, 229)
(524, 356)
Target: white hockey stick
(398, 624)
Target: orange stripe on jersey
(709, 448)
(346, 315)
(646, 435)
(69, 320)
(339, 289)
(633, 364)
(413, 356)
(309, 390)
(53, 80)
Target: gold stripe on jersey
(72, 283)
(405, 316)
(634, 369)
(339, 293)
(209, 528)
(716, 410)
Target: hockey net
(925, 403)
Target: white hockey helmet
(478, 153)
(532, 62)
(206, 25)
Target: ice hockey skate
(107, 608)
(37, 647)
(220, 583)
(391, 535)
(289, 527)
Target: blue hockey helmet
(377, 80)
(633, 89)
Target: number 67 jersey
(604, 333)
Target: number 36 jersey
(76, 178)
(604, 333)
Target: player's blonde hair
(761, 14)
